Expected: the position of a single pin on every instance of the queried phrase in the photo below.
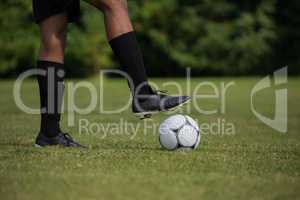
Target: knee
(112, 5)
(53, 43)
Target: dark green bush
(221, 36)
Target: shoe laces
(68, 137)
(160, 92)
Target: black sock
(51, 95)
(128, 52)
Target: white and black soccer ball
(179, 131)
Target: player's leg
(53, 33)
(123, 41)
(51, 60)
(117, 21)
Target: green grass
(256, 162)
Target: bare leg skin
(53, 33)
(117, 21)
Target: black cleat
(62, 139)
(146, 105)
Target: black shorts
(43, 9)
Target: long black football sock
(128, 52)
(51, 95)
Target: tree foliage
(221, 36)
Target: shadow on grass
(16, 144)
(114, 146)
(122, 146)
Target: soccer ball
(179, 131)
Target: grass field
(255, 162)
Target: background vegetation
(220, 37)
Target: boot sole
(37, 146)
(147, 115)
